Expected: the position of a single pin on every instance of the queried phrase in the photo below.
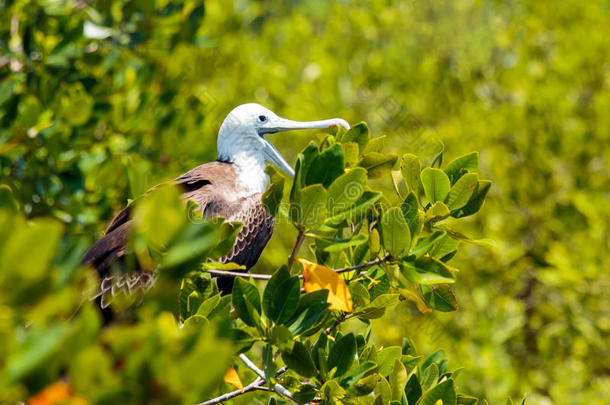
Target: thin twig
(295, 249)
(364, 265)
(277, 387)
(339, 319)
(254, 385)
(238, 274)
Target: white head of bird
(241, 141)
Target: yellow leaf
(317, 277)
(232, 378)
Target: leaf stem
(295, 249)
(254, 385)
(364, 265)
(277, 387)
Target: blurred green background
(88, 121)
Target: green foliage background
(87, 123)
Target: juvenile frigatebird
(230, 187)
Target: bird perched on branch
(230, 187)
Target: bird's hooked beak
(278, 124)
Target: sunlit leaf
(318, 277)
(231, 377)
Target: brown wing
(210, 186)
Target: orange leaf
(232, 378)
(317, 277)
(56, 393)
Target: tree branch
(364, 265)
(253, 386)
(229, 273)
(295, 249)
(277, 387)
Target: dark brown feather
(213, 186)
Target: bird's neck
(251, 171)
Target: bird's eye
(262, 118)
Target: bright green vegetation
(86, 124)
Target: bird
(230, 187)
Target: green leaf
(378, 164)
(386, 358)
(342, 354)
(439, 297)
(462, 165)
(208, 305)
(375, 145)
(378, 307)
(424, 245)
(444, 392)
(269, 366)
(436, 184)
(281, 337)
(281, 296)
(466, 400)
(410, 168)
(410, 210)
(319, 355)
(461, 191)
(300, 360)
(398, 380)
(351, 155)
(413, 389)
(245, 293)
(7, 200)
(427, 270)
(272, 197)
(357, 211)
(395, 232)
(310, 208)
(359, 133)
(476, 201)
(346, 190)
(310, 309)
(305, 394)
(337, 245)
(383, 392)
(437, 212)
(356, 373)
(326, 167)
(304, 159)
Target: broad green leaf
(374, 242)
(410, 168)
(439, 297)
(357, 211)
(461, 191)
(272, 197)
(319, 354)
(281, 296)
(359, 133)
(476, 201)
(443, 247)
(346, 190)
(427, 270)
(336, 245)
(386, 358)
(413, 389)
(410, 210)
(304, 159)
(208, 305)
(378, 164)
(356, 373)
(429, 376)
(351, 154)
(398, 380)
(395, 232)
(305, 394)
(436, 184)
(281, 337)
(378, 306)
(342, 354)
(437, 212)
(444, 392)
(310, 208)
(383, 392)
(311, 307)
(426, 244)
(243, 293)
(326, 167)
(462, 165)
(300, 360)
(375, 145)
